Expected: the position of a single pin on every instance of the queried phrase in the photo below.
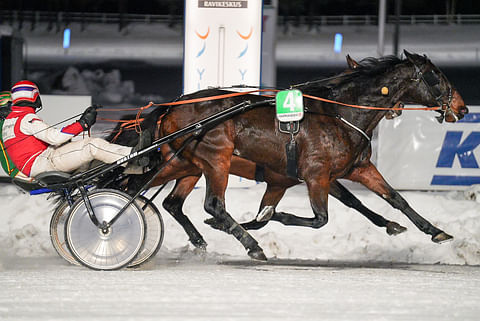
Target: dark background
(166, 82)
(286, 7)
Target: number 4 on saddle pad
(289, 105)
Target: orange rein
(135, 123)
(128, 124)
(370, 107)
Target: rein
(430, 79)
(224, 96)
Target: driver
(34, 147)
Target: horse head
(429, 86)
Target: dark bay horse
(328, 147)
(276, 187)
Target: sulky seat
(49, 178)
(41, 181)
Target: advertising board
(222, 43)
(416, 152)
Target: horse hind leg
(173, 204)
(339, 191)
(369, 176)
(272, 196)
(215, 206)
(318, 188)
(217, 179)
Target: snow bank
(348, 236)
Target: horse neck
(371, 95)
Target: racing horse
(276, 186)
(333, 141)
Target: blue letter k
(451, 147)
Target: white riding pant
(73, 155)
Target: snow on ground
(348, 270)
(183, 288)
(347, 236)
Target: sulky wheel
(114, 247)
(57, 232)
(155, 230)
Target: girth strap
(291, 149)
(259, 173)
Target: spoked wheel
(155, 231)
(57, 232)
(114, 247)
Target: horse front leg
(339, 191)
(318, 188)
(173, 204)
(369, 176)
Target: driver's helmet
(26, 92)
(5, 98)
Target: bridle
(432, 82)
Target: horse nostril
(464, 110)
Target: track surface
(186, 287)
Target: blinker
(430, 78)
(384, 91)
(432, 81)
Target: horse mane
(374, 66)
(367, 67)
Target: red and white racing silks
(25, 128)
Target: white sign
(416, 152)
(222, 43)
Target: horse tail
(118, 134)
(151, 121)
(126, 130)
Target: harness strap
(354, 127)
(291, 150)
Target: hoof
(199, 244)
(393, 228)
(257, 254)
(442, 237)
(253, 225)
(214, 223)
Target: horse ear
(352, 64)
(410, 56)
